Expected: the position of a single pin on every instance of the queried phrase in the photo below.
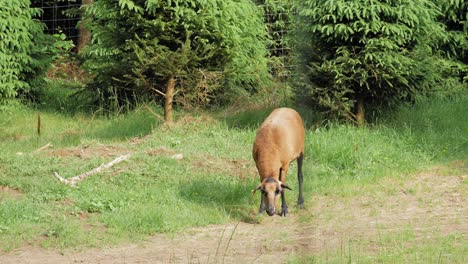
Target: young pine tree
(359, 53)
(147, 49)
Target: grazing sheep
(279, 141)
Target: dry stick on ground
(229, 241)
(74, 180)
(43, 147)
(219, 243)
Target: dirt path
(428, 202)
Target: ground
(427, 205)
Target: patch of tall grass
(62, 96)
(19, 128)
(438, 126)
(341, 154)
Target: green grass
(394, 247)
(63, 96)
(155, 193)
(436, 126)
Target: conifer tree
(359, 53)
(148, 49)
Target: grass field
(153, 192)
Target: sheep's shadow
(233, 197)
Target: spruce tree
(197, 50)
(359, 53)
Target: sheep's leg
(262, 205)
(283, 172)
(282, 177)
(284, 206)
(300, 176)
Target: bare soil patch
(140, 140)
(240, 168)
(161, 151)
(6, 191)
(87, 152)
(426, 203)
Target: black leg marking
(300, 176)
(262, 205)
(284, 206)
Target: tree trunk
(170, 88)
(360, 120)
(84, 36)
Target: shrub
(25, 51)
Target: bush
(17, 29)
(25, 51)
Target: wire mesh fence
(62, 16)
(278, 15)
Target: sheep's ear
(256, 189)
(285, 186)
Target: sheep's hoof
(300, 203)
(284, 212)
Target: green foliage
(363, 50)
(138, 45)
(455, 17)
(25, 51)
(278, 17)
(17, 31)
(61, 96)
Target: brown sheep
(279, 141)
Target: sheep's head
(271, 189)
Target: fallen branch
(74, 180)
